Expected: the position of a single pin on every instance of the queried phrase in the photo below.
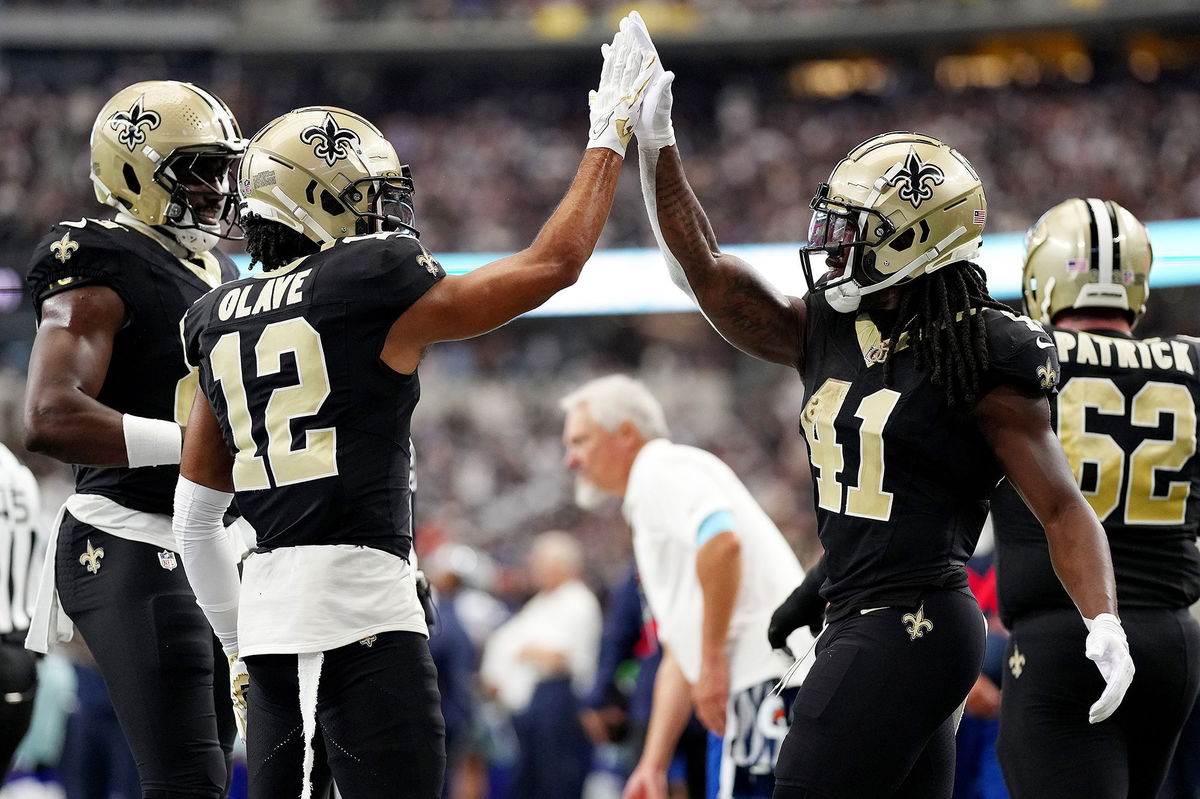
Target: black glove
(425, 594)
(804, 607)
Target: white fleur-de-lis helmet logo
(915, 179)
(330, 142)
(129, 124)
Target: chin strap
(845, 297)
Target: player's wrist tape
(151, 442)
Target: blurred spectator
(977, 771)
(455, 655)
(539, 663)
(619, 714)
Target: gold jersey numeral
(866, 498)
(287, 465)
(1143, 504)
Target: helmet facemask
(385, 202)
(835, 233)
(203, 201)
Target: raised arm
(748, 311)
(1017, 426)
(462, 306)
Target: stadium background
(487, 101)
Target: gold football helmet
(158, 146)
(1086, 254)
(326, 173)
(898, 206)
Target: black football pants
(1048, 748)
(379, 722)
(876, 715)
(164, 668)
(18, 685)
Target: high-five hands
(616, 104)
(1107, 646)
(654, 129)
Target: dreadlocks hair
(274, 245)
(942, 315)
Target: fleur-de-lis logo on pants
(64, 247)
(329, 141)
(91, 558)
(1016, 663)
(915, 179)
(129, 124)
(916, 623)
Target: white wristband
(151, 442)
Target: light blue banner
(630, 281)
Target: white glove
(654, 128)
(617, 103)
(239, 688)
(1108, 647)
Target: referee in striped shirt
(20, 560)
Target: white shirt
(672, 490)
(565, 620)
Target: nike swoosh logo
(1045, 344)
(603, 123)
(865, 611)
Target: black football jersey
(147, 375)
(902, 480)
(318, 424)
(1126, 415)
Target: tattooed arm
(748, 311)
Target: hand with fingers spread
(616, 104)
(654, 130)
(1107, 646)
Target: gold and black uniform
(163, 667)
(1126, 414)
(902, 482)
(290, 361)
(319, 427)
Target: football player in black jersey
(309, 379)
(1126, 415)
(108, 390)
(920, 392)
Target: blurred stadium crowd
(489, 168)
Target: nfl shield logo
(166, 559)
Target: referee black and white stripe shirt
(21, 548)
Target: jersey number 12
(317, 458)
